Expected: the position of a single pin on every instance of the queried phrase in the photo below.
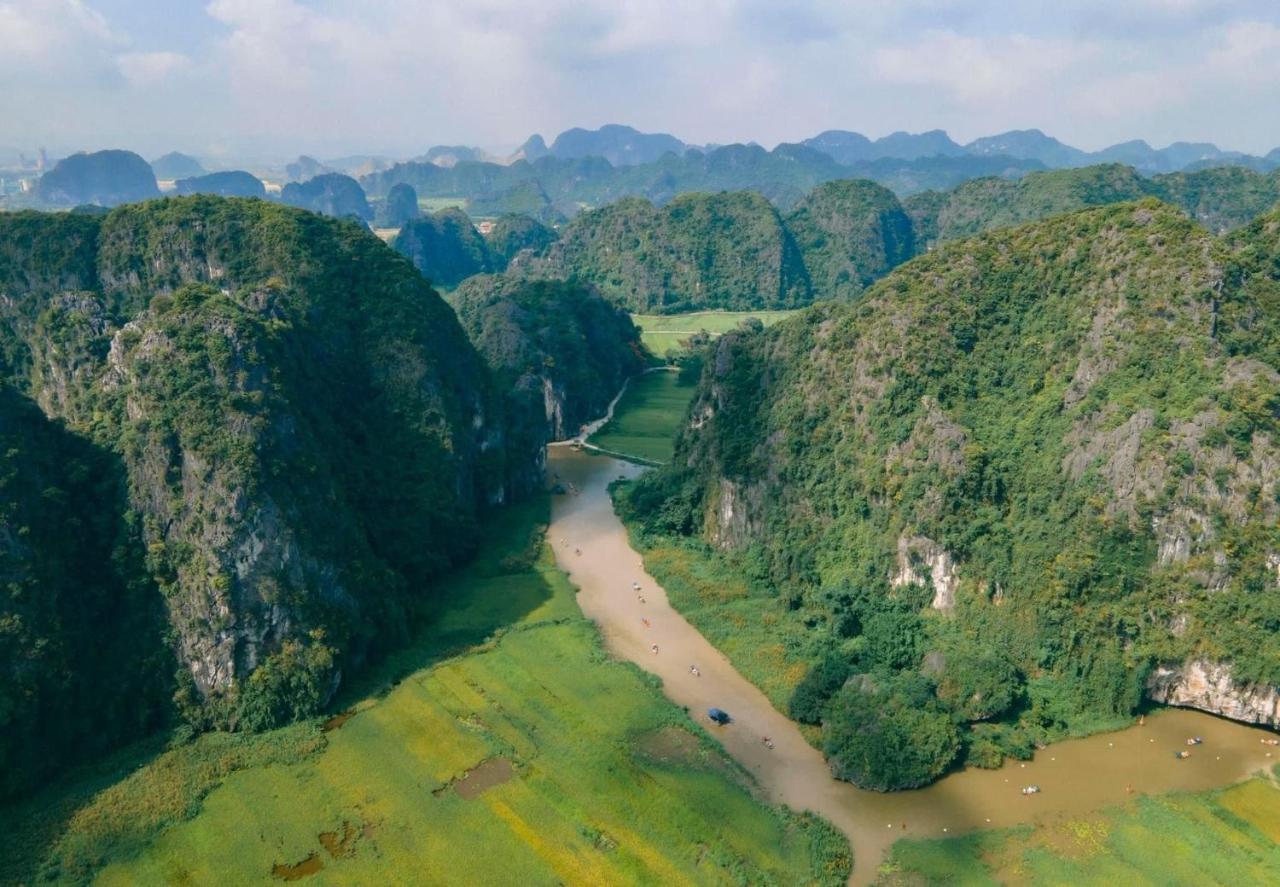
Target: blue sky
(278, 77)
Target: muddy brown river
(1075, 777)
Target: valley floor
(661, 333)
(503, 747)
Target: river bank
(1076, 776)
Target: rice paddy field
(504, 746)
(1227, 837)
(647, 417)
(661, 333)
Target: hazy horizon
(272, 79)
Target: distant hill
(331, 194)
(851, 148)
(103, 178)
(1029, 144)
(700, 251)
(235, 183)
(850, 233)
(445, 247)
(305, 168)
(448, 155)
(1220, 198)
(397, 208)
(176, 166)
(620, 145)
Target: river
(1075, 776)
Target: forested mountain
(728, 251)
(783, 175)
(1029, 144)
(513, 235)
(82, 662)
(445, 247)
(850, 233)
(330, 194)
(620, 145)
(1221, 198)
(103, 178)
(234, 183)
(559, 353)
(269, 434)
(399, 207)
(177, 166)
(1022, 481)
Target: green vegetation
(68, 688)
(1220, 199)
(1225, 837)
(563, 186)
(558, 352)
(502, 744)
(666, 333)
(726, 251)
(646, 419)
(331, 194)
(448, 249)
(236, 425)
(513, 235)
(397, 209)
(233, 183)
(851, 233)
(101, 178)
(1002, 487)
(444, 246)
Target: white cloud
(145, 68)
(979, 69)
(400, 75)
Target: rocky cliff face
(559, 350)
(305, 432)
(1064, 435)
(1210, 687)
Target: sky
(275, 78)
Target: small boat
(1182, 754)
(1194, 740)
(720, 716)
(1270, 741)
(1031, 789)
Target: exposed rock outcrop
(1210, 687)
(921, 561)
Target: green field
(580, 772)
(645, 421)
(435, 204)
(1229, 836)
(661, 333)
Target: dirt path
(1077, 776)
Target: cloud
(979, 69)
(144, 68)
(396, 76)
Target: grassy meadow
(647, 417)
(661, 333)
(1229, 836)
(502, 747)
